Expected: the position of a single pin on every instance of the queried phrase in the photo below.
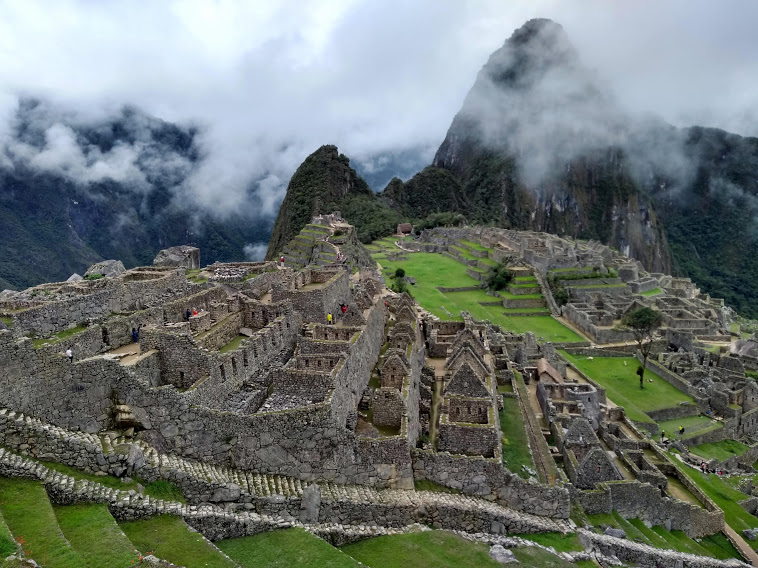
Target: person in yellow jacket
(329, 318)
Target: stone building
(468, 422)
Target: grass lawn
(720, 450)
(170, 538)
(426, 485)
(94, 534)
(653, 292)
(232, 345)
(431, 549)
(561, 542)
(284, 548)
(435, 270)
(623, 387)
(7, 544)
(58, 337)
(515, 448)
(692, 425)
(27, 510)
(474, 246)
(723, 495)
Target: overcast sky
(270, 81)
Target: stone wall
(637, 554)
(307, 442)
(635, 500)
(106, 296)
(489, 479)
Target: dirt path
(748, 553)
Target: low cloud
(255, 252)
(265, 84)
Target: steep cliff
(318, 186)
(539, 145)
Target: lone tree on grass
(642, 322)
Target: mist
(259, 86)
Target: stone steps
(257, 485)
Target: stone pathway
(745, 549)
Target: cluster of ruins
(238, 367)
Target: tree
(642, 322)
(499, 276)
(399, 273)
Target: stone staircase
(237, 489)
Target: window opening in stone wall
(234, 366)
(244, 358)
(181, 377)
(105, 336)
(223, 373)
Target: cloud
(267, 83)
(255, 252)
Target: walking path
(747, 552)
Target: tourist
(329, 319)
(70, 355)
(194, 311)
(281, 260)
(343, 307)
(663, 434)
(681, 430)
(135, 333)
(188, 314)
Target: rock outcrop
(107, 268)
(181, 256)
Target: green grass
(431, 549)
(723, 495)
(508, 296)
(653, 292)
(7, 544)
(435, 270)
(692, 424)
(94, 534)
(474, 246)
(58, 337)
(524, 279)
(232, 345)
(532, 557)
(623, 387)
(561, 542)
(166, 490)
(515, 448)
(650, 535)
(6, 320)
(509, 311)
(169, 538)
(284, 548)
(42, 539)
(158, 489)
(720, 450)
(598, 286)
(426, 485)
(720, 547)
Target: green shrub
(561, 296)
(94, 276)
(399, 273)
(499, 277)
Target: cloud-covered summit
(267, 83)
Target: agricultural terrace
(431, 270)
(619, 378)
